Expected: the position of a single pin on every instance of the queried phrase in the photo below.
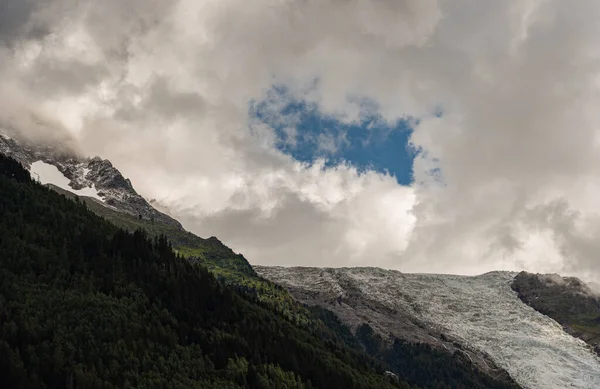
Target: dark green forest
(84, 304)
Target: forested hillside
(86, 304)
(227, 266)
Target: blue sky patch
(307, 135)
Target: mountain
(62, 264)
(426, 331)
(480, 317)
(108, 194)
(91, 177)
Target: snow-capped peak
(92, 177)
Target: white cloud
(162, 88)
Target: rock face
(567, 300)
(116, 191)
(482, 316)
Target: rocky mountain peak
(116, 191)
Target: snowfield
(482, 311)
(49, 174)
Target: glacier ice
(482, 311)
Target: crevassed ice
(482, 311)
(49, 174)
(486, 314)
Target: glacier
(483, 312)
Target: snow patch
(45, 173)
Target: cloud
(519, 133)
(505, 177)
(24, 19)
(318, 217)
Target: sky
(419, 135)
(369, 143)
